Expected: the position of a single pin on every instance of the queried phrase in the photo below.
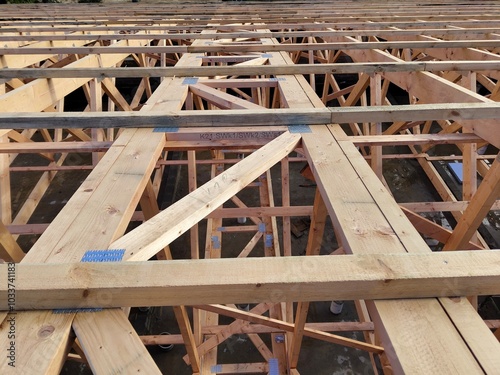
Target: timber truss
(248, 89)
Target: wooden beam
(57, 342)
(245, 70)
(252, 47)
(239, 32)
(5, 188)
(263, 117)
(442, 206)
(167, 283)
(414, 139)
(98, 332)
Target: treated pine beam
(486, 194)
(263, 116)
(272, 249)
(53, 147)
(5, 188)
(262, 211)
(258, 117)
(253, 47)
(414, 139)
(487, 67)
(99, 331)
(324, 326)
(457, 33)
(442, 206)
(363, 27)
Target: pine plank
(42, 341)
(165, 283)
(111, 345)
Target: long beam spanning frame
(183, 282)
(202, 71)
(215, 47)
(258, 117)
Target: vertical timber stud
(469, 175)
(376, 128)
(287, 239)
(5, 194)
(96, 106)
(314, 241)
(192, 185)
(271, 249)
(212, 251)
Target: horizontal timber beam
(415, 139)
(205, 71)
(36, 147)
(206, 281)
(264, 117)
(256, 47)
(250, 33)
(355, 25)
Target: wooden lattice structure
(266, 81)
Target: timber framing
(238, 94)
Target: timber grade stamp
(240, 135)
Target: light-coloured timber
(258, 117)
(250, 57)
(253, 47)
(230, 70)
